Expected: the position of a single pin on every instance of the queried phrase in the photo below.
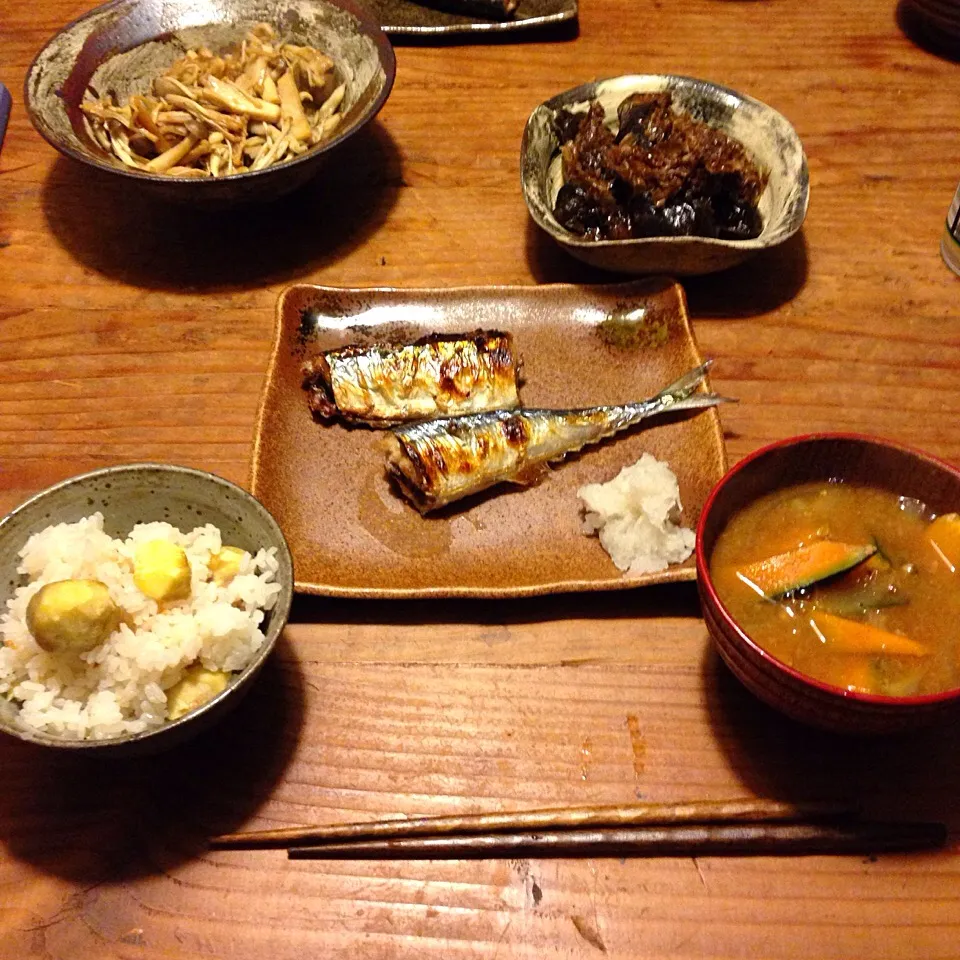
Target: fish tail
(682, 387)
(681, 395)
(697, 402)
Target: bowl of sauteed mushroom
(827, 567)
(657, 173)
(238, 100)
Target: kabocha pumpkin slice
(788, 571)
(945, 537)
(850, 636)
(871, 585)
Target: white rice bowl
(119, 687)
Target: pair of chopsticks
(745, 827)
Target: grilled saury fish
(440, 461)
(438, 376)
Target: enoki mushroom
(260, 103)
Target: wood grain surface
(132, 331)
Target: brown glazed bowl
(138, 493)
(820, 457)
(122, 46)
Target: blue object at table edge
(5, 104)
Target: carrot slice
(852, 673)
(784, 572)
(849, 636)
(945, 538)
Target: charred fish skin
(440, 461)
(437, 376)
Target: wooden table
(135, 332)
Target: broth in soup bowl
(829, 573)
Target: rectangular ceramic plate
(404, 17)
(351, 535)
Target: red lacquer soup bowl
(848, 458)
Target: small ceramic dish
(121, 46)
(820, 457)
(764, 133)
(138, 493)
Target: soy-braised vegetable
(660, 173)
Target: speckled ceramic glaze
(122, 46)
(407, 18)
(766, 135)
(138, 493)
(820, 457)
(352, 535)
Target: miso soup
(851, 585)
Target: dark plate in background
(406, 18)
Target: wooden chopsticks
(744, 827)
(565, 818)
(701, 840)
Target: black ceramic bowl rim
(365, 18)
(706, 581)
(278, 614)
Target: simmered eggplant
(662, 173)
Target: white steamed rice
(636, 515)
(119, 687)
